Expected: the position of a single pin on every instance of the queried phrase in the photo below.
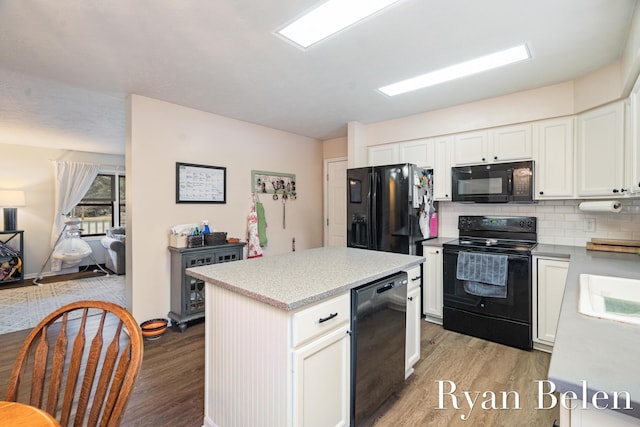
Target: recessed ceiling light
(463, 69)
(329, 18)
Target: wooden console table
(187, 293)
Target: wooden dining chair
(80, 364)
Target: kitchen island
(276, 327)
(596, 357)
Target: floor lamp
(10, 200)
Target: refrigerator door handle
(375, 244)
(373, 224)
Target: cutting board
(614, 245)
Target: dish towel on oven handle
(483, 274)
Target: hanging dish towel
(262, 224)
(485, 275)
(253, 241)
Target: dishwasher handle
(385, 288)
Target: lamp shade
(11, 198)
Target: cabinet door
(554, 166)
(442, 168)
(470, 148)
(321, 381)
(412, 352)
(633, 142)
(509, 143)
(387, 154)
(432, 284)
(551, 278)
(420, 152)
(193, 290)
(601, 151)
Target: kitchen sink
(613, 298)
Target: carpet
(22, 308)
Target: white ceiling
(223, 56)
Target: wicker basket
(194, 241)
(215, 238)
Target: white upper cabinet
(420, 152)
(600, 159)
(442, 168)
(633, 141)
(387, 154)
(511, 143)
(470, 148)
(554, 165)
(503, 144)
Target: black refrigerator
(390, 208)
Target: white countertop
(604, 353)
(438, 241)
(296, 279)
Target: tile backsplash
(559, 222)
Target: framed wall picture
(200, 183)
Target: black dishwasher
(378, 342)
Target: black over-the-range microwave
(493, 183)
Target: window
(103, 206)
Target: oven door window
(516, 305)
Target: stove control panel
(526, 224)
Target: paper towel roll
(601, 206)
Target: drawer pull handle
(329, 317)
(415, 278)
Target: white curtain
(72, 181)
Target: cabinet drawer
(321, 318)
(415, 279)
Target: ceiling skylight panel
(463, 69)
(329, 18)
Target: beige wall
(31, 169)
(162, 134)
(334, 148)
(550, 101)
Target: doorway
(335, 221)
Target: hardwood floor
(474, 365)
(170, 388)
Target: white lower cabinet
(321, 364)
(272, 367)
(412, 352)
(593, 417)
(432, 284)
(321, 380)
(550, 275)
